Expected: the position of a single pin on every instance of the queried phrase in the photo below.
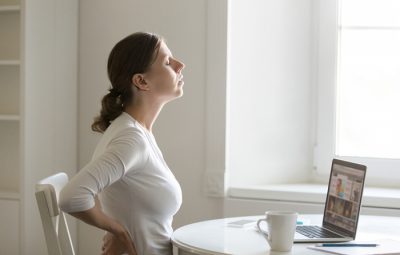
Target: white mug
(281, 229)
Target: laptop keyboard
(315, 232)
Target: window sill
(314, 193)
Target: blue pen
(346, 245)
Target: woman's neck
(145, 112)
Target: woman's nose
(181, 66)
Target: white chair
(55, 226)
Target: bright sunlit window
(368, 79)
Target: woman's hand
(120, 242)
(117, 245)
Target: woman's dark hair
(133, 54)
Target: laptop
(342, 206)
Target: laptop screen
(344, 196)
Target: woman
(138, 194)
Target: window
(308, 81)
(368, 84)
(364, 76)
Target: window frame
(381, 172)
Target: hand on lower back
(117, 245)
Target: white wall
(270, 110)
(180, 129)
(49, 106)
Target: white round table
(216, 237)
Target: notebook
(342, 206)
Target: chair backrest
(55, 226)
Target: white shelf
(10, 8)
(9, 117)
(10, 62)
(9, 195)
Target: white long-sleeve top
(134, 184)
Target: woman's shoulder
(124, 135)
(126, 127)
(124, 122)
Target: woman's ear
(139, 82)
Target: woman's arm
(126, 152)
(96, 217)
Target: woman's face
(164, 78)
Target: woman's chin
(180, 89)
(178, 93)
